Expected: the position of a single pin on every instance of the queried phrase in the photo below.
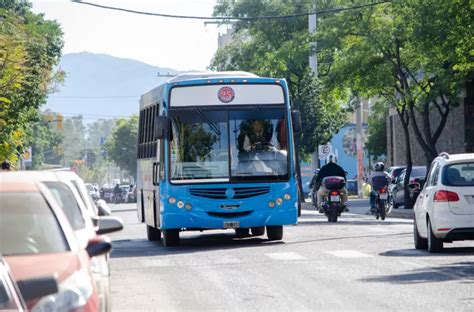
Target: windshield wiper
(211, 124)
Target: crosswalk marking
(348, 254)
(285, 256)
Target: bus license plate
(383, 196)
(231, 224)
(335, 198)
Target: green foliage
(45, 141)
(406, 52)
(122, 144)
(30, 47)
(280, 48)
(377, 138)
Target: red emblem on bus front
(226, 94)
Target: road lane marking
(348, 254)
(285, 256)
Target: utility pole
(360, 159)
(313, 64)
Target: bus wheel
(170, 237)
(241, 232)
(257, 231)
(153, 234)
(275, 232)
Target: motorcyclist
(117, 191)
(328, 170)
(376, 182)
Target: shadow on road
(452, 252)
(188, 244)
(462, 271)
(308, 220)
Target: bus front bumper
(210, 220)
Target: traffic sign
(28, 155)
(324, 151)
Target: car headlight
(73, 293)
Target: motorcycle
(381, 200)
(117, 198)
(333, 205)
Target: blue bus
(216, 151)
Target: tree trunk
(405, 118)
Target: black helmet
(5, 165)
(379, 166)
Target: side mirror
(414, 187)
(296, 119)
(37, 287)
(109, 225)
(99, 245)
(162, 127)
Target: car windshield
(206, 143)
(28, 225)
(68, 203)
(459, 174)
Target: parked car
(444, 210)
(70, 193)
(351, 186)
(395, 171)
(45, 242)
(397, 193)
(92, 191)
(106, 193)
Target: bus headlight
(180, 204)
(188, 206)
(172, 200)
(287, 196)
(279, 201)
(271, 204)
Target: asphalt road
(357, 264)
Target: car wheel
(153, 234)
(258, 231)
(170, 237)
(434, 243)
(275, 232)
(420, 242)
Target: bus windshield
(237, 144)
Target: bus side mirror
(296, 118)
(162, 127)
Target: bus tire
(170, 237)
(258, 231)
(275, 232)
(242, 232)
(153, 234)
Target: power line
(226, 18)
(93, 97)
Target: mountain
(101, 86)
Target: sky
(165, 42)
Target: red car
(37, 240)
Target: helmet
(379, 166)
(5, 165)
(331, 158)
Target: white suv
(444, 210)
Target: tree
(377, 128)
(122, 144)
(280, 48)
(388, 51)
(30, 47)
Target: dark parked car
(351, 186)
(418, 174)
(395, 171)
